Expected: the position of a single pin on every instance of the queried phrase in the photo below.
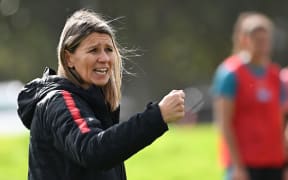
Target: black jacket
(74, 135)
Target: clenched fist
(172, 106)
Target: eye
(94, 50)
(109, 49)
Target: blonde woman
(73, 115)
(247, 104)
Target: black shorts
(265, 173)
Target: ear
(69, 59)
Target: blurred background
(178, 44)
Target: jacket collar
(94, 96)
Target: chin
(101, 83)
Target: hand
(239, 173)
(172, 106)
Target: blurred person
(247, 104)
(284, 79)
(73, 115)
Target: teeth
(101, 70)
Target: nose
(103, 57)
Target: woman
(247, 104)
(73, 116)
(284, 80)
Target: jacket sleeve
(78, 134)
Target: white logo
(263, 95)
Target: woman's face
(261, 44)
(93, 59)
(258, 44)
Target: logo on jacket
(263, 95)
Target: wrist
(162, 112)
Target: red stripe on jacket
(75, 112)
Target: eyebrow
(89, 47)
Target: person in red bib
(284, 79)
(247, 104)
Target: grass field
(183, 153)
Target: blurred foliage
(180, 42)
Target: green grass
(183, 153)
(13, 157)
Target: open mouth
(101, 71)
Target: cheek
(84, 66)
(263, 43)
(263, 46)
(112, 61)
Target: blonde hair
(77, 27)
(247, 23)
